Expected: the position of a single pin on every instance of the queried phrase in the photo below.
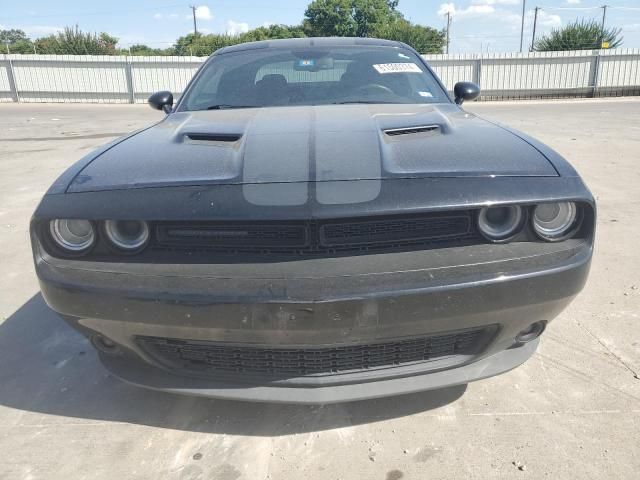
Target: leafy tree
(369, 18)
(371, 15)
(354, 18)
(144, 50)
(330, 18)
(107, 41)
(12, 36)
(273, 32)
(199, 44)
(15, 41)
(580, 35)
(20, 46)
(423, 39)
(348, 18)
(73, 41)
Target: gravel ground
(572, 411)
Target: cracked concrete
(572, 411)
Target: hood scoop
(214, 137)
(394, 132)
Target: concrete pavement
(572, 411)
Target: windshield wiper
(224, 106)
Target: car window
(313, 76)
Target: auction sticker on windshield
(404, 67)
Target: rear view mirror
(161, 101)
(465, 91)
(313, 63)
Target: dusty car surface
(315, 220)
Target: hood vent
(392, 132)
(214, 137)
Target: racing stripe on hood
(346, 147)
(272, 154)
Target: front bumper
(326, 302)
(143, 374)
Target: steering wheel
(373, 88)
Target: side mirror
(161, 101)
(465, 91)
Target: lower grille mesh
(294, 362)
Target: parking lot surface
(572, 411)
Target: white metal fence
(131, 79)
(581, 73)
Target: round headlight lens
(500, 223)
(127, 234)
(72, 235)
(553, 221)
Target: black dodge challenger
(314, 220)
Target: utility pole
(195, 26)
(448, 28)
(524, 6)
(604, 16)
(535, 22)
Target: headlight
(500, 223)
(72, 235)
(554, 221)
(127, 234)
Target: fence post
(477, 77)
(129, 76)
(595, 74)
(12, 79)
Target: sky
(487, 25)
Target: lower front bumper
(354, 301)
(141, 373)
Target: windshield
(312, 76)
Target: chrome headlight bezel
(570, 215)
(67, 240)
(517, 217)
(116, 238)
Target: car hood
(312, 144)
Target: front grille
(319, 238)
(220, 358)
(232, 235)
(394, 230)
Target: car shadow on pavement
(46, 367)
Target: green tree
(330, 18)
(579, 35)
(139, 49)
(371, 15)
(369, 18)
(423, 39)
(199, 44)
(273, 32)
(348, 18)
(12, 36)
(15, 41)
(73, 41)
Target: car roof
(311, 42)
